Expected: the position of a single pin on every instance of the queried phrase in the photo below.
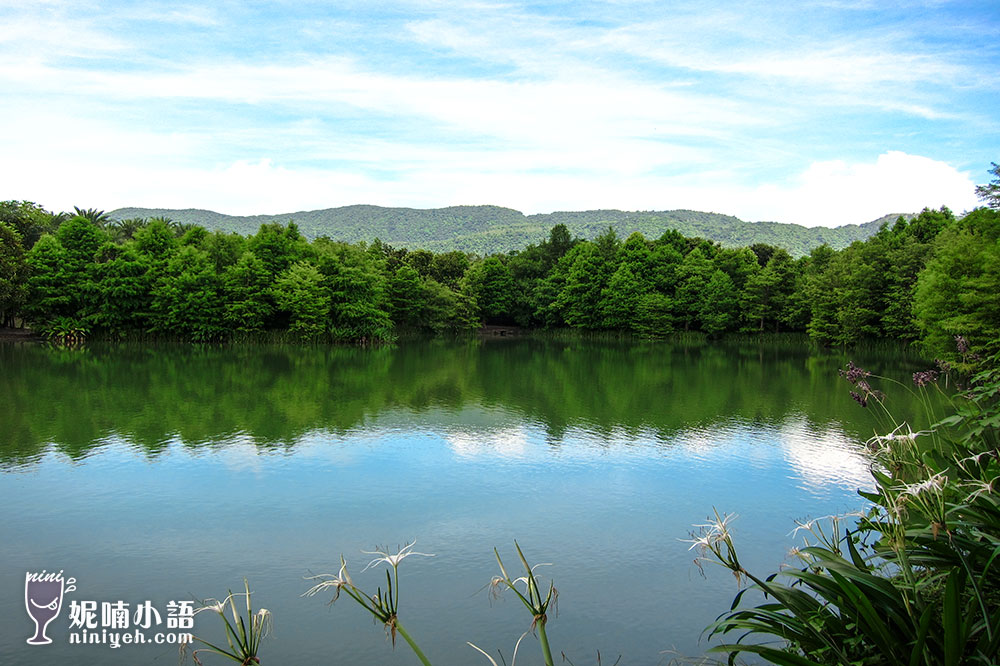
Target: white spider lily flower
(524, 579)
(393, 560)
(264, 621)
(213, 605)
(981, 488)
(328, 581)
(935, 482)
(713, 532)
(976, 458)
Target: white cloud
(690, 109)
(832, 193)
(827, 193)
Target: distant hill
(492, 229)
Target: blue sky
(827, 112)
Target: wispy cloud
(751, 109)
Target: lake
(164, 473)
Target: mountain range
(492, 229)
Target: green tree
(958, 293)
(765, 296)
(358, 303)
(225, 250)
(300, 291)
(124, 230)
(990, 193)
(60, 285)
(156, 241)
(823, 287)
(449, 267)
(579, 299)
(492, 285)
(13, 274)
(96, 217)
(121, 293)
(248, 297)
(276, 246)
(28, 219)
(739, 264)
(620, 299)
(447, 310)
(629, 283)
(421, 261)
(50, 283)
(187, 298)
(81, 238)
(655, 315)
(692, 278)
(718, 308)
(558, 244)
(406, 298)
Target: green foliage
(620, 299)
(187, 299)
(692, 278)
(155, 240)
(357, 293)
(958, 293)
(719, 308)
(300, 291)
(655, 315)
(121, 290)
(915, 581)
(990, 193)
(492, 285)
(926, 278)
(488, 230)
(13, 274)
(580, 297)
(52, 288)
(766, 294)
(28, 219)
(407, 298)
(276, 246)
(249, 303)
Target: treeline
(487, 230)
(929, 278)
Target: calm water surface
(172, 472)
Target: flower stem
(544, 640)
(416, 649)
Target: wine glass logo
(43, 595)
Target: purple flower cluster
(925, 377)
(858, 377)
(854, 374)
(962, 344)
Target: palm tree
(123, 230)
(98, 217)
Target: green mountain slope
(490, 229)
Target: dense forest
(493, 229)
(929, 278)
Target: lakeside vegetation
(912, 579)
(494, 230)
(928, 278)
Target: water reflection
(171, 472)
(73, 400)
(824, 457)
